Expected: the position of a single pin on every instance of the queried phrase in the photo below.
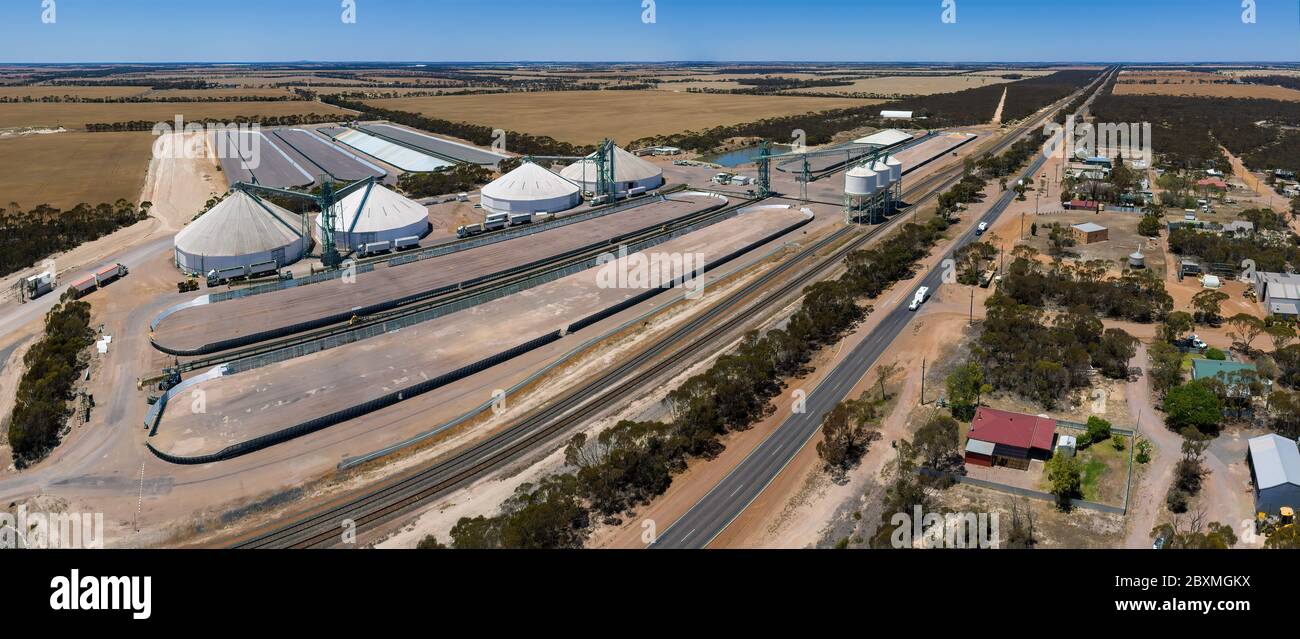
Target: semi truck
(469, 230)
(218, 277)
(375, 248)
(496, 221)
(109, 274)
(98, 279)
(519, 219)
(405, 243)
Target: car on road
(922, 294)
(984, 226)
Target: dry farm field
(64, 169)
(585, 117)
(77, 115)
(70, 91)
(1204, 90)
(912, 85)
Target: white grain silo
(530, 189)
(632, 174)
(896, 182)
(861, 193)
(242, 230)
(375, 214)
(860, 180)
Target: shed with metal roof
(1275, 472)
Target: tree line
(139, 99)
(28, 236)
(1269, 255)
(295, 119)
(52, 368)
(1186, 131)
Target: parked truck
(409, 242)
(263, 268)
(98, 279)
(84, 285)
(519, 219)
(109, 274)
(469, 230)
(496, 221)
(375, 248)
(225, 275)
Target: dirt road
(1147, 502)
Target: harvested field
(76, 92)
(194, 327)
(217, 93)
(1170, 77)
(1203, 90)
(911, 85)
(64, 169)
(78, 115)
(268, 399)
(585, 117)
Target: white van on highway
(922, 294)
(984, 226)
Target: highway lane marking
(688, 535)
(733, 493)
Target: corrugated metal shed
(1276, 460)
(888, 137)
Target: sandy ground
(997, 115)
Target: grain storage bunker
(375, 214)
(632, 174)
(242, 230)
(530, 189)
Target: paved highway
(712, 514)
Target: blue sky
(613, 30)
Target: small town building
(896, 115)
(1090, 233)
(1279, 293)
(1275, 472)
(1222, 369)
(1067, 445)
(1003, 438)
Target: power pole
(972, 306)
(923, 382)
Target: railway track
(321, 527)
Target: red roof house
(1213, 182)
(1002, 438)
